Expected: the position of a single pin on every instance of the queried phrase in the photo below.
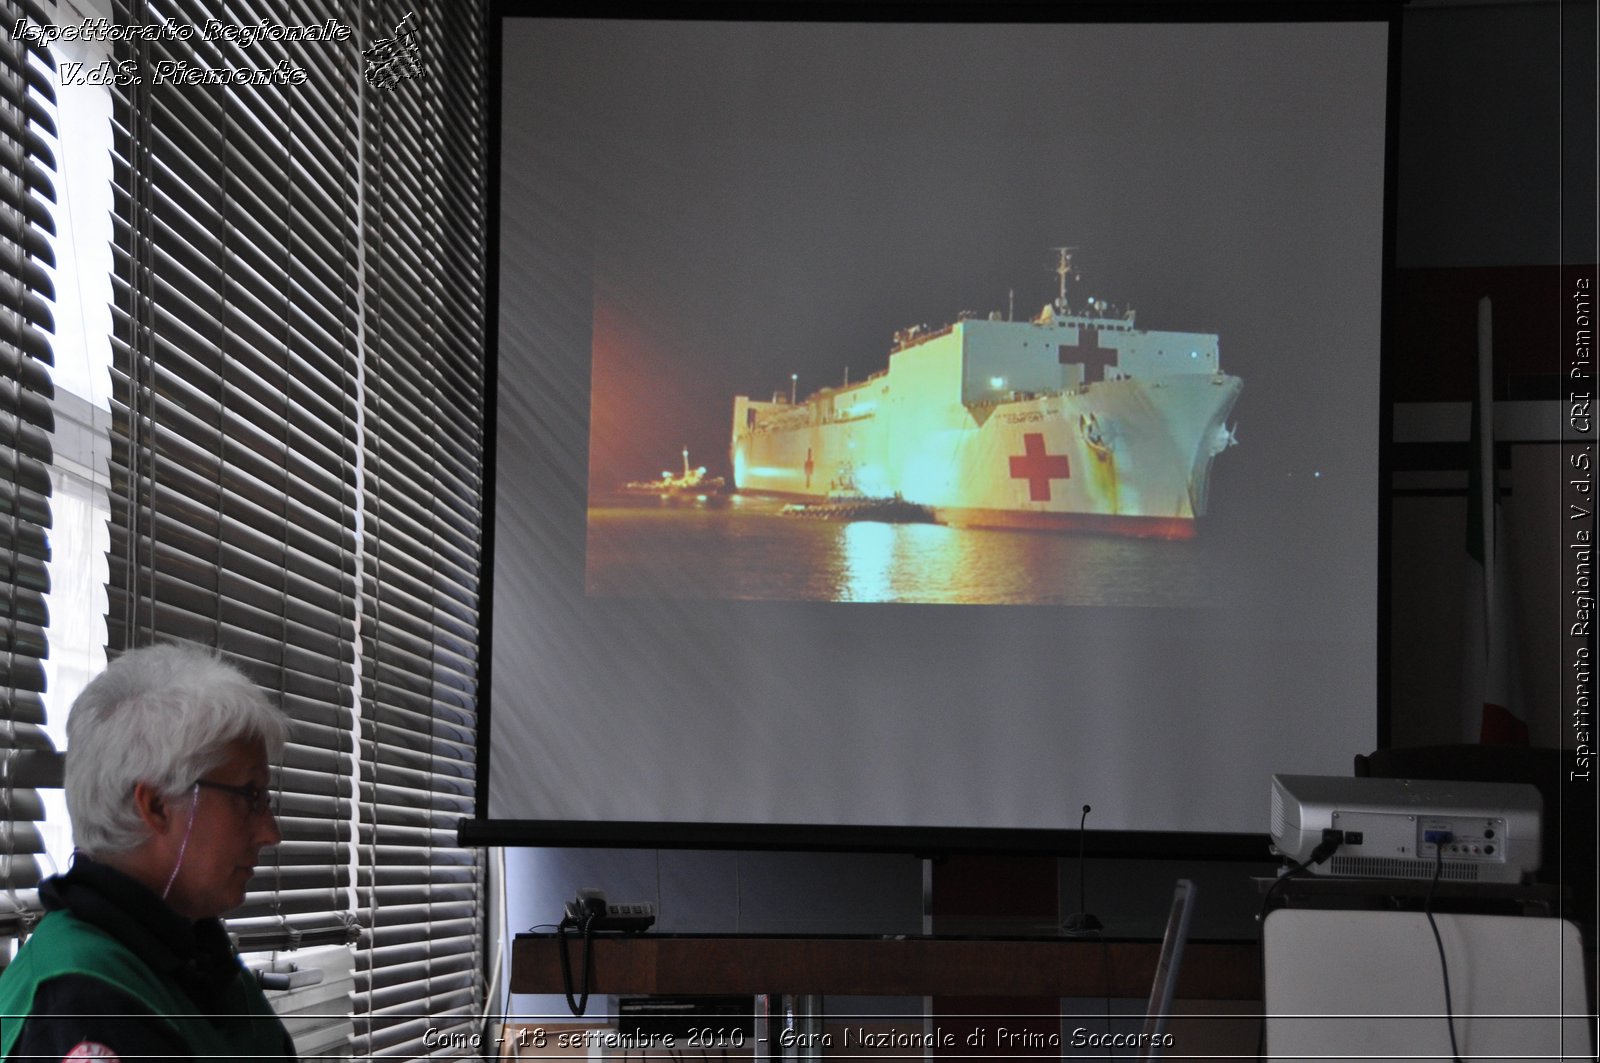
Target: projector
(1406, 828)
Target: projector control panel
(1408, 837)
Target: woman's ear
(153, 807)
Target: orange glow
(635, 399)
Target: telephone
(590, 911)
(588, 914)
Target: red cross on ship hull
(1038, 467)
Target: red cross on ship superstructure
(1037, 467)
(1088, 352)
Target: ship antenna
(1063, 270)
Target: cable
(492, 1009)
(1295, 869)
(581, 1004)
(1444, 967)
(1105, 974)
(194, 802)
(1331, 840)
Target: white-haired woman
(167, 787)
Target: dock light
(794, 379)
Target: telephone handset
(588, 909)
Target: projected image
(928, 314)
(1072, 422)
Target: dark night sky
(755, 200)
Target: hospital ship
(1075, 420)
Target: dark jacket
(112, 965)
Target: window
(290, 463)
(29, 173)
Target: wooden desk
(648, 964)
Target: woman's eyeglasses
(260, 801)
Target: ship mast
(1063, 271)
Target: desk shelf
(901, 966)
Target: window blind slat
(27, 204)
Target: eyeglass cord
(194, 802)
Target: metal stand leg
(788, 1028)
(806, 1013)
(768, 1027)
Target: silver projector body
(1406, 828)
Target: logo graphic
(397, 58)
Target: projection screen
(931, 426)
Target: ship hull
(1128, 527)
(1128, 456)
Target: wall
(1496, 191)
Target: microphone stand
(1081, 923)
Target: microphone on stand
(1081, 922)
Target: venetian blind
(27, 191)
(424, 225)
(234, 414)
(298, 431)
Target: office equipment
(680, 1016)
(1365, 984)
(1408, 828)
(590, 911)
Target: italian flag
(1491, 703)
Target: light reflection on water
(748, 550)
